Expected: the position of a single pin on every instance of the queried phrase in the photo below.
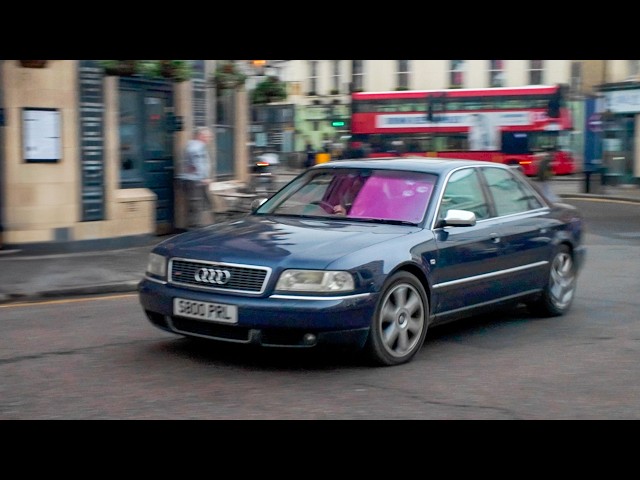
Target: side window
(131, 132)
(464, 192)
(510, 194)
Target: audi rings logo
(212, 275)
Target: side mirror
(458, 218)
(255, 204)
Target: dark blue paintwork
(463, 269)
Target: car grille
(241, 278)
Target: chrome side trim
(311, 298)
(490, 274)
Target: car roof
(420, 164)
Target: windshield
(381, 195)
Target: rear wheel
(399, 325)
(561, 286)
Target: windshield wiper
(387, 221)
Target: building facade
(89, 156)
(320, 88)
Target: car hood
(268, 241)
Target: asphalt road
(99, 358)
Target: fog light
(309, 339)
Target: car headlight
(315, 281)
(157, 265)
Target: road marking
(68, 300)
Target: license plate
(213, 312)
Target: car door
(468, 256)
(525, 227)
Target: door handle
(495, 238)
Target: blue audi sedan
(369, 254)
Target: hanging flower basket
(176, 70)
(269, 90)
(121, 68)
(228, 77)
(33, 63)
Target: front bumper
(276, 321)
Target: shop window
(456, 73)
(496, 73)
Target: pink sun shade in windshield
(393, 198)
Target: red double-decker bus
(505, 125)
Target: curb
(105, 288)
(132, 285)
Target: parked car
(369, 254)
(261, 168)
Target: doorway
(146, 143)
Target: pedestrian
(310, 160)
(545, 171)
(196, 176)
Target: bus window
(515, 143)
(539, 141)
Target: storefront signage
(622, 101)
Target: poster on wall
(41, 133)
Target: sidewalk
(30, 275)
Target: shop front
(620, 132)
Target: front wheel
(561, 286)
(399, 324)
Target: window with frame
(536, 72)
(224, 108)
(313, 77)
(510, 195)
(357, 75)
(496, 73)
(335, 77)
(464, 192)
(456, 73)
(576, 78)
(156, 141)
(362, 194)
(403, 75)
(129, 125)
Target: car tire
(399, 324)
(559, 291)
